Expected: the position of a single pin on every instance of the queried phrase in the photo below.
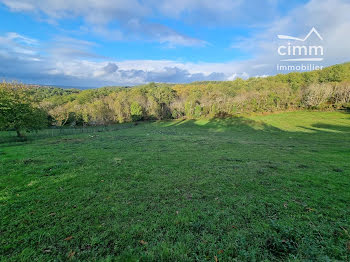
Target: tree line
(29, 107)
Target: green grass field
(273, 187)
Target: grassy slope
(265, 187)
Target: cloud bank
(71, 61)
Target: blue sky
(93, 43)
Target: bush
(317, 95)
(136, 111)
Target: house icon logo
(300, 49)
(313, 30)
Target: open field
(273, 187)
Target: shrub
(136, 111)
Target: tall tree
(17, 110)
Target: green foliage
(293, 91)
(296, 81)
(335, 73)
(197, 111)
(136, 111)
(17, 110)
(176, 114)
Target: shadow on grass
(223, 123)
(242, 123)
(310, 132)
(332, 128)
(232, 123)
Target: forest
(25, 107)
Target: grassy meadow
(270, 187)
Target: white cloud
(132, 16)
(70, 48)
(104, 11)
(73, 61)
(96, 12)
(139, 71)
(68, 61)
(16, 44)
(330, 17)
